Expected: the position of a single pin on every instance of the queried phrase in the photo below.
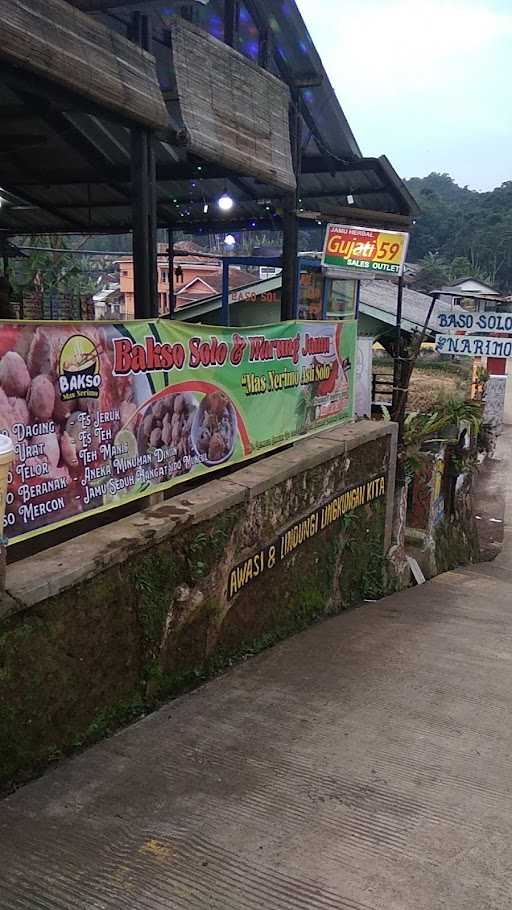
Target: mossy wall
(80, 664)
(456, 537)
(441, 534)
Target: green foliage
(152, 579)
(47, 271)
(486, 439)
(421, 430)
(461, 232)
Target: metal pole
(225, 293)
(170, 265)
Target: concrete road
(365, 764)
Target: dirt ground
(430, 385)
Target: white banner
(474, 345)
(460, 320)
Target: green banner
(101, 414)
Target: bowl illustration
(167, 423)
(215, 429)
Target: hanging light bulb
(225, 202)
(229, 240)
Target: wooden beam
(97, 6)
(304, 197)
(71, 220)
(181, 171)
(354, 215)
(352, 191)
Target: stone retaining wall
(97, 631)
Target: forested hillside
(462, 232)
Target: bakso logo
(79, 369)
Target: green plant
(421, 430)
(486, 439)
(463, 463)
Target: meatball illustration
(41, 398)
(167, 423)
(14, 376)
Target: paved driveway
(365, 764)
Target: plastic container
(6, 459)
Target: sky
(426, 82)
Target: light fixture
(229, 240)
(205, 208)
(225, 202)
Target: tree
(471, 231)
(56, 268)
(434, 273)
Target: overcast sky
(426, 82)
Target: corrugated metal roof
(377, 299)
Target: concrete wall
(97, 631)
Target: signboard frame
(474, 345)
(484, 321)
(366, 251)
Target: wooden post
(289, 287)
(231, 22)
(265, 49)
(290, 251)
(152, 228)
(143, 175)
(140, 225)
(397, 363)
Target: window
(341, 298)
(310, 294)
